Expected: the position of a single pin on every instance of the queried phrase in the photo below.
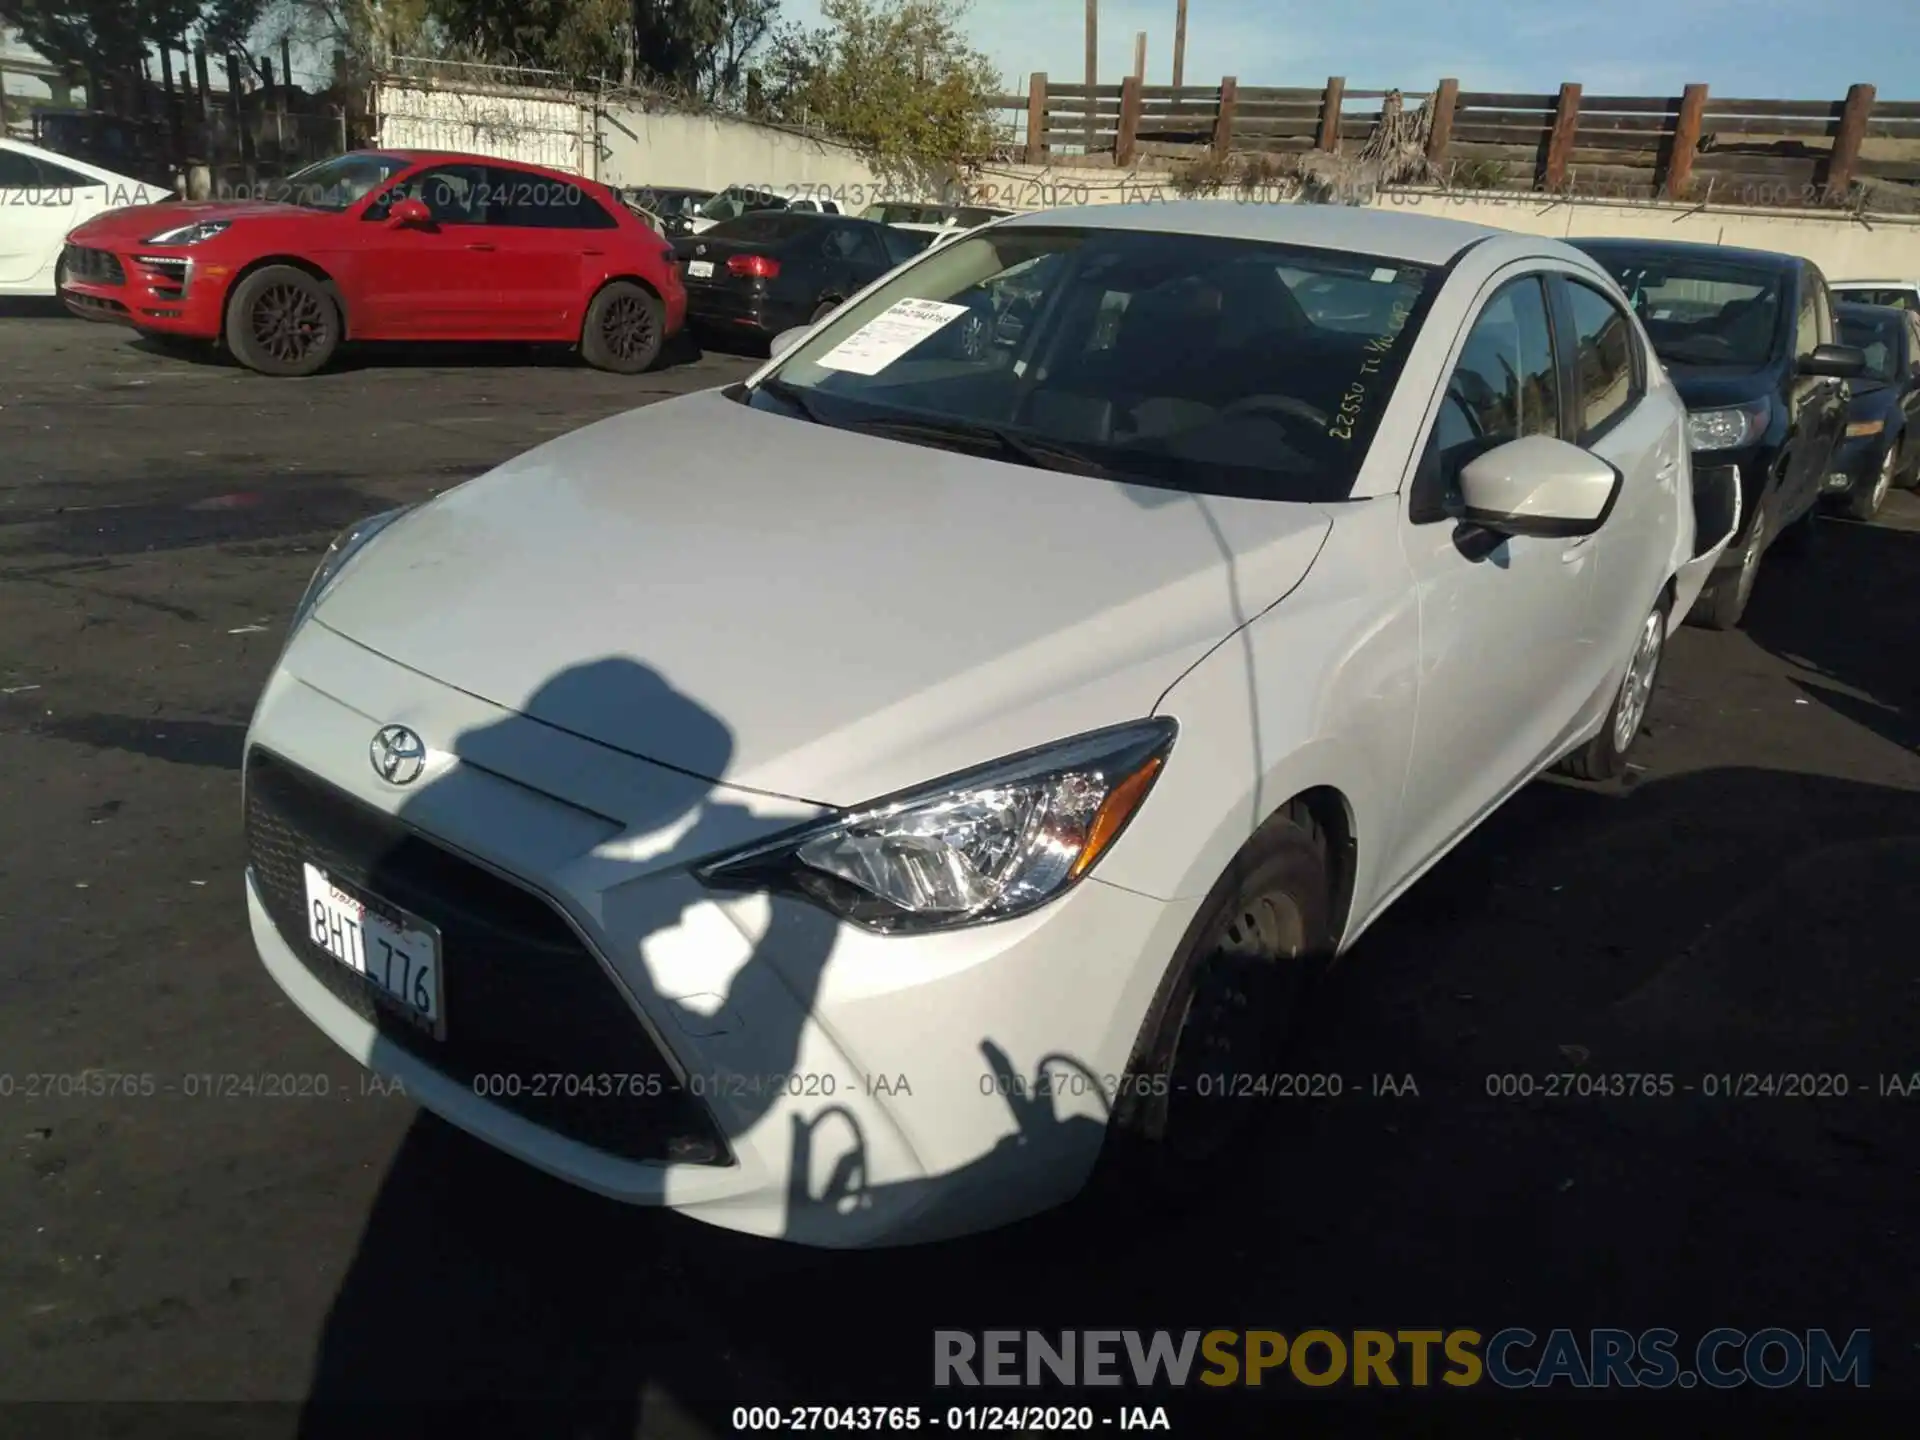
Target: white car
(1900, 294)
(843, 805)
(737, 200)
(942, 222)
(42, 197)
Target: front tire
(1799, 538)
(625, 329)
(1723, 602)
(1864, 502)
(1227, 1006)
(1605, 756)
(282, 322)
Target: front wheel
(1723, 602)
(1224, 1011)
(1605, 756)
(281, 321)
(1864, 501)
(624, 330)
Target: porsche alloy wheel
(624, 330)
(282, 321)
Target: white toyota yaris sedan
(850, 805)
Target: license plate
(699, 269)
(399, 958)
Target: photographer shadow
(483, 1291)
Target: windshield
(1702, 311)
(337, 183)
(1879, 338)
(1180, 360)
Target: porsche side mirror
(409, 212)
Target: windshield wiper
(1041, 454)
(793, 395)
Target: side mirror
(1838, 362)
(409, 212)
(786, 340)
(1538, 486)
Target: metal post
(1179, 43)
(1093, 70)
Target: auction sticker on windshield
(889, 335)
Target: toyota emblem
(398, 755)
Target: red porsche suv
(386, 245)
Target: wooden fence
(1694, 145)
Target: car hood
(1708, 387)
(1871, 396)
(859, 614)
(137, 222)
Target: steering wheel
(1274, 404)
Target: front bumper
(718, 307)
(1855, 465)
(149, 287)
(850, 1089)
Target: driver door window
(1504, 386)
(453, 195)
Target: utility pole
(1179, 42)
(1093, 69)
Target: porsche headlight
(345, 546)
(987, 844)
(191, 234)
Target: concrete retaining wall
(1844, 248)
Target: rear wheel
(624, 330)
(1864, 501)
(1605, 756)
(1227, 1007)
(282, 321)
(825, 308)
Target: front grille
(96, 267)
(527, 1005)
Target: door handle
(593, 252)
(480, 245)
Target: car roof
(1698, 249)
(1873, 284)
(468, 157)
(72, 162)
(1390, 234)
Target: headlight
(1727, 429)
(345, 546)
(983, 845)
(1865, 427)
(189, 234)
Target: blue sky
(1750, 49)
